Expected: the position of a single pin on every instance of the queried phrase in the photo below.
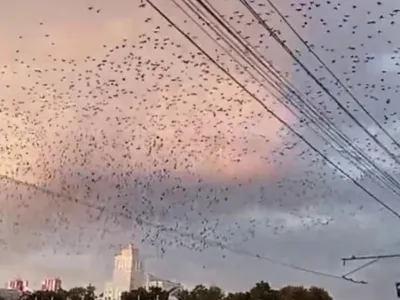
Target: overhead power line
(273, 34)
(360, 268)
(372, 259)
(209, 22)
(161, 228)
(272, 113)
(306, 108)
(277, 117)
(270, 2)
(351, 258)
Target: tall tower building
(128, 273)
(51, 284)
(17, 284)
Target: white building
(51, 284)
(128, 274)
(18, 284)
(166, 285)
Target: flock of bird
(147, 134)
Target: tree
(89, 293)
(138, 294)
(262, 291)
(45, 295)
(294, 293)
(157, 293)
(183, 295)
(238, 296)
(62, 294)
(77, 293)
(317, 293)
(200, 292)
(301, 293)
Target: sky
(113, 126)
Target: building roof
(153, 278)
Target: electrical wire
(368, 257)
(296, 93)
(316, 80)
(356, 162)
(332, 73)
(361, 267)
(272, 113)
(162, 228)
(372, 259)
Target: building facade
(128, 274)
(166, 285)
(51, 284)
(17, 284)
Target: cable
(332, 73)
(162, 228)
(370, 257)
(266, 258)
(356, 162)
(272, 113)
(361, 267)
(290, 52)
(90, 205)
(293, 90)
(207, 21)
(373, 259)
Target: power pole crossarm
(370, 257)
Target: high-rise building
(128, 274)
(17, 284)
(51, 284)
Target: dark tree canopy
(155, 293)
(76, 293)
(260, 291)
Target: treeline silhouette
(260, 291)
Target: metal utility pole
(398, 289)
(372, 259)
(375, 257)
